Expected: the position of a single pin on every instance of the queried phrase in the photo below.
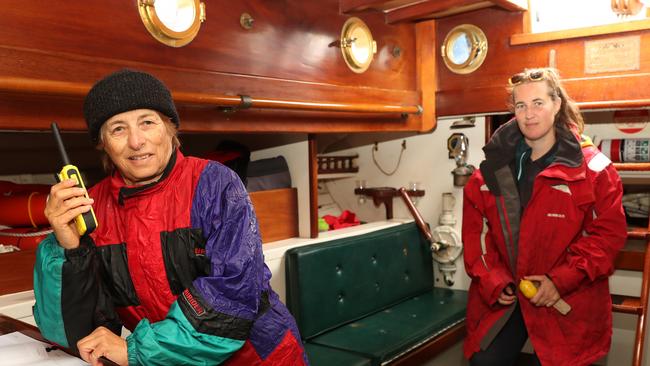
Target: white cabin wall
(426, 161)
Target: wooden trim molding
(351, 6)
(433, 9)
(609, 29)
(312, 149)
(425, 46)
(493, 97)
(512, 5)
(79, 90)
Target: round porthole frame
(354, 28)
(464, 49)
(165, 32)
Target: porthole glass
(464, 49)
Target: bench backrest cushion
(330, 284)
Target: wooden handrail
(632, 166)
(79, 90)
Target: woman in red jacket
(547, 208)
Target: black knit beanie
(124, 91)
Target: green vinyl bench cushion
(330, 284)
(368, 297)
(387, 334)
(325, 356)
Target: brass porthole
(357, 45)
(172, 22)
(464, 49)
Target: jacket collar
(501, 150)
(121, 191)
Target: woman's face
(139, 143)
(535, 111)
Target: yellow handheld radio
(85, 222)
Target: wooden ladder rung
(626, 304)
(638, 233)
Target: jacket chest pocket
(184, 256)
(558, 211)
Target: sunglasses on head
(521, 77)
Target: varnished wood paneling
(290, 53)
(277, 213)
(31, 112)
(289, 39)
(16, 270)
(484, 91)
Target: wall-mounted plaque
(612, 54)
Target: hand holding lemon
(528, 289)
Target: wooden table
(10, 325)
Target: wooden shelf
(333, 164)
(626, 304)
(336, 176)
(385, 195)
(638, 233)
(609, 29)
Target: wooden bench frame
(433, 347)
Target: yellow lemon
(527, 288)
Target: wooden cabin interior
(278, 78)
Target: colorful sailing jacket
(570, 230)
(179, 263)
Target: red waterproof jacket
(571, 230)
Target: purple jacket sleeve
(222, 209)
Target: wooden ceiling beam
(352, 6)
(429, 9)
(512, 5)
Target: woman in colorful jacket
(176, 257)
(545, 208)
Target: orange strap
(29, 208)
